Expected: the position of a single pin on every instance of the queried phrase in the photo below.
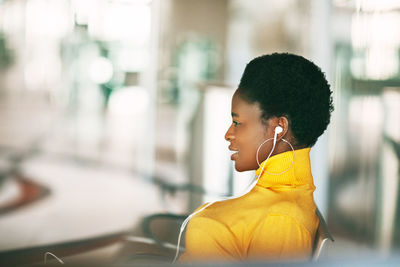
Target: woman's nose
(228, 135)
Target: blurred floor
(94, 188)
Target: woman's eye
(235, 123)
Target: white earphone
(278, 129)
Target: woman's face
(246, 133)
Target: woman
(276, 220)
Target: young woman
(281, 107)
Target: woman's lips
(235, 150)
(234, 156)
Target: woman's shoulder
(252, 209)
(233, 213)
(219, 209)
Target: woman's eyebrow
(234, 114)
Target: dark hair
(291, 86)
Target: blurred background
(113, 110)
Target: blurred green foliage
(6, 54)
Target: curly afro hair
(291, 86)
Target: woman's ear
(284, 123)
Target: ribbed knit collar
(298, 174)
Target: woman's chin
(239, 168)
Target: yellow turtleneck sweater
(275, 221)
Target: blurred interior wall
(185, 20)
(364, 141)
(193, 35)
(320, 52)
(260, 27)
